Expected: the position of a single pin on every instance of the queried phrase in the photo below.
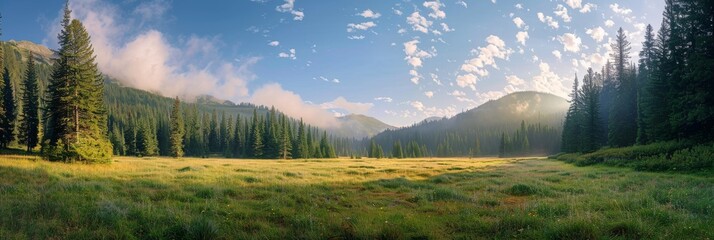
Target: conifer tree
(7, 120)
(300, 146)
(214, 142)
(657, 105)
(646, 67)
(397, 150)
(177, 130)
(256, 137)
(77, 122)
(623, 116)
(30, 118)
(590, 122)
(571, 126)
(238, 138)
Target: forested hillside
(494, 128)
(138, 121)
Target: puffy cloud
(429, 94)
(562, 12)
(360, 26)
(383, 99)
(293, 105)
(419, 23)
(487, 56)
(620, 10)
(398, 12)
(570, 42)
(467, 80)
(521, 37)
(290, 54)
(274, 43)
(557, 54)
(574, 4)
(435, 6)
(415, 76)
(519, 6)
(351, 107)
(457, 93)
(588, 7)
(514, 84)
(414, 54)
(155, 64)
(547, 81)
(548, 20)
(446, 27)
(370, 14)
(519, 22)
(609, 23)
(433, 111)
(597, 33)
(289, 7)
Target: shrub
(522, 190)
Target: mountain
(542, 115)
(360, 126)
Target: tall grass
(385, 199)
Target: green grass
(486, 198)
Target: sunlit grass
(347, 199)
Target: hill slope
(360, 126)
(542, 113)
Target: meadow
(483, 198)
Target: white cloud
(521, 37)
(429, 94)
(415, 76)
(289, 7)
(383, 99)
(562, 12)
(398, 12)
(274, 43)
(156, 65)
(356, 37)
(598, 33)
(457, 93)
(588, 8)
(419, 23)
(547, 81)
(548, 20)
(293, 105)
(570, 42)
(290, 54)
(620, 10)
(414, 54)
(351, 107)
(360, 26)
(519, 6)
(433, 111)
(446, 27)
(467, 80)
(574, 4)
(370, 14)
(435, 6)
(609, 23)
(519, 22)
(557, 54)
(514, 84)
(496, 48)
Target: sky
(399, 61)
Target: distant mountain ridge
(456, 136)
(360, 126)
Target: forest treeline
(664, 96)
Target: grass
(485, 198)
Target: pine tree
(657, 101)
(646, 67)
(77, 122)
(238, 138)
(30, 119)
(177, 130)
(623, 116)
(300, 146)
(571, 126)
(7, 123)
(590, 122)
(256, 137)
(285, 139)
(397, 150)
(214, 142)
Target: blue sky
(399, 61)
